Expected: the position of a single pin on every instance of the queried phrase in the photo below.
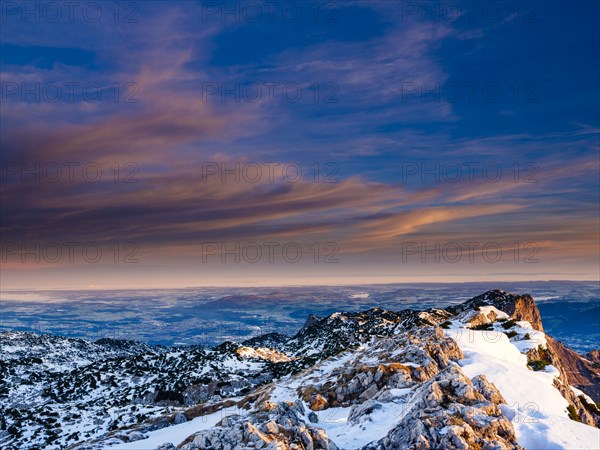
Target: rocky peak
(518, 307)
(311, 320)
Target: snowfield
(175, 433)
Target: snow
(350, 436)
(579, 393)
(536, 408)
(234, 364)
(486, 310)
(410, 364)
(338, 315)
(174, 434)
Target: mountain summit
(479, 375)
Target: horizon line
(239, 286)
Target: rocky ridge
(399, 369)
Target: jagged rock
(424, 352)
(189, 446)
(167, 446)
(479, 318)
(311, 320)
(317, 402)
(449, 412)
(363, 410)
(563, 384)
(583, 371)
(518, 307)
(135, 436)
(270, 427)
(487, 389)
(281, 428)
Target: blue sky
(517, 85)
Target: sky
(201, 143)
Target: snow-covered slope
(535, 406)
(482, 375)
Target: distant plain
(208, 316)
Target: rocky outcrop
(452, 412)
(564, 360)
(518, 307)
(583, 371)
(572, 367)
(594, 357)
(311, 320)
(274, 426)
(423, 353)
